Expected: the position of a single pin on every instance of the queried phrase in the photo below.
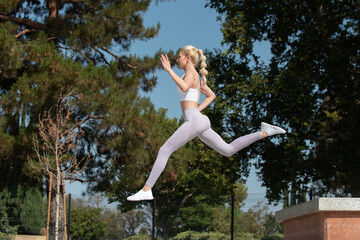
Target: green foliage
(83, 48)
(246, 236)
(6, 151)
(185, 203)
(47, 50)
(191, 235)
(257, 220)
(123, 225)
(86, 224)
(119, 225)
(222, 213)
(4, 236)
(310, 86)
(5, 202)
(32, 212)
(139, 237)
(198, 215)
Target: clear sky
(184, 22)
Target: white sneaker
(141, 195)
(271, 129)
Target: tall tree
(310, 86)
(48, 45)
(79, 46)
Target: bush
(4, 236)
(86, 224)
(32, 212)
(274, 237)
(246, 236)
(5, 228)
(190, 235)
(139, 237)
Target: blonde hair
(194, 56)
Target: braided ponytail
(203, 72)
(194, 55)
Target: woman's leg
(213, 140)
(195, 123)
(180, 137)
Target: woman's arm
(184, 84)
(209, 97)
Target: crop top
(191, 95)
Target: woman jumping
(195, 123)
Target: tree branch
(117, 57)
(24, 32)
(78, 51)
(79, 180)
(170, 221)
(101, 54)
(78, 124)
(23, 21)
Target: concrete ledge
(318, 205)
(29, 237)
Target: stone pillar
(322, 219)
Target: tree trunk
(232, 214)
(53, 6)
(53, 207)
(57, 205)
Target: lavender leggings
(197, 125)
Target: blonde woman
(195, 124)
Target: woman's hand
(209, 97)
(165, 62)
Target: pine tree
(79, 46)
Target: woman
(195, 124)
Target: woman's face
(182, 60)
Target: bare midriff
(188, 104)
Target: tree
(58, 153)
(196, 215)
(193, 172)
(5, 228)
(32, 212)
(52, 45)
(119, 225)
(258, 219)
(86, 223)
(309, 86)
(202, 183)
(78, 46)
(222, 213)
(6, 151)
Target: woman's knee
(164, 151)
(227, 153)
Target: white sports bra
(191, 95)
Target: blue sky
(184, 22)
